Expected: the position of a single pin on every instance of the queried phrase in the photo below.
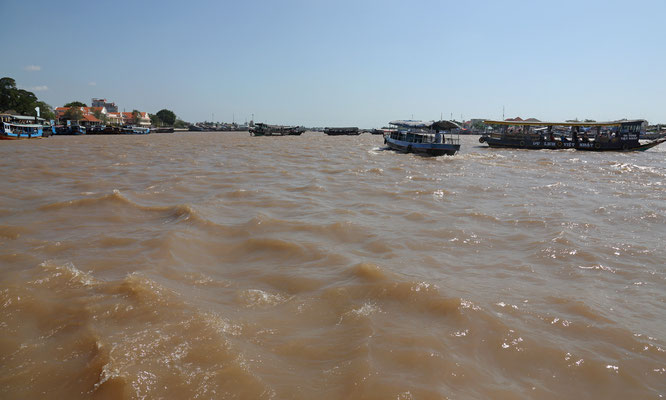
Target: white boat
(14, 127)
(433, 138)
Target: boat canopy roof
(437, 125)
(24, 125)
(570, 123)
(26, 118)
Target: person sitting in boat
(438, 137)
(585, 139)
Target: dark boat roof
(547, 123)
(437, 125)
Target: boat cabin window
(631, 128)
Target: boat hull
(567, 145)
(426, 149)
(6, 137)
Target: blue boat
(433, 138)
(135, 130)
(16, 127)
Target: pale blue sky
(357, 63)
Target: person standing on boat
(438, 137)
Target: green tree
(45, 110)
(155, 120)
(136, 115)
(73, 114)
(21, 101)
(75, 104)
(180, 124)
(7, 93)
(97, 113)
(166, 116)
(13, 98)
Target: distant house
(89, 120)
(143, 120)
(115, 118)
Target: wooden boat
(434, 138)
(342, 131)
(588, 136)
(163, 129)
(261, 129)
(104, 130)
(14, 127)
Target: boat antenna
(502, 113)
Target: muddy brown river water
(218, 265)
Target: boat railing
(429, 138)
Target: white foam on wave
(261, 298)
(67, 271)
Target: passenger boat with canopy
(621, 135)
(433, 138)
(15, 127)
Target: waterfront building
(143, 120)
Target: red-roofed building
(89, 120)
(143, 120)
(87, 114)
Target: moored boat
(342, 131)
(14, 127)
(434, 138)
(135, 130)
(163, 129)
(588, 136)
(70, 130)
